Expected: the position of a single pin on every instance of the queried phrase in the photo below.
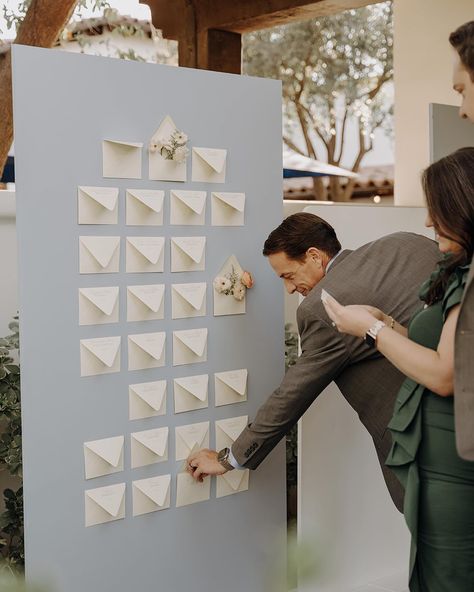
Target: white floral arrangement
(172, 148)
(234, 284)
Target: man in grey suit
(306, 254)
(462, 41)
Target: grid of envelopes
(144, 303)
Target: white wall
(423, 61)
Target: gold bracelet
(392, 322)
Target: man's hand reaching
(204, 462)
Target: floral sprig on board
(172, 148)
(234, 284)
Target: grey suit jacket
(386, 273)
(464, 372)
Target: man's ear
(314, 253)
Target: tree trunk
(41, 27)
(320, 190)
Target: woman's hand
(355, 319)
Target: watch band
(223, 459)
(371, 335)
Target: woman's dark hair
(448, 185)
(462, 39)
(297, 233)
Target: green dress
(439, 485)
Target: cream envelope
(159, 168)
(147, 399)
(189, 346)
(151, 495)
(227, 209)
(103, 457)
(97, 205)
(190, 392)
(104, 504)
(145, 303)
(230, 387)
(99, 254)
(122, 160)
(144, 207)
(209, 165)
(188, 253)
(98, 306)
(189, 491)
(144, 254)
(227, 304)
(189, 437)
(187, 207)
(100, 355)
(149, 447)
(228, 430)
(232, 482)
(146, 350)
(188, 300)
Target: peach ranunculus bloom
(247, 279)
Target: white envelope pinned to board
(144, 207)
(99, 254)
(100, 355)
(188, 300)
(147, 399)
(146, 350)
(144, 254)
(189, 437)
(151, 495)
(145, 303)
(98, 306)
(97, 205)
(121, 159)
(227, 209)
(187, 207)
(189, 346)
(209, 165)
(228, 430)
(103, 457)
(149, 447)
(230, 387)
(226, 304)
(188, 253)
(232, 482)
(190, 393)
(189, 491)
(104, 504)
(159, 168)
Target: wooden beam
(220, 51)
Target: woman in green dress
(439, 485)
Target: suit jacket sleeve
(324, 354)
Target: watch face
(223, 454)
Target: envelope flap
(151, 392)
(105, 196)
(155, 489)
(195, 385)
(194, 200)
(151, 343)
(108, 498)
(234, 200)
(102, 248)
(149, 246)
(155, 440)
(233, 426)
(165, 129)
(192, 293)
(193, 434)
(214, 157)
(109, 449)
(234, 478)
(151, 199)
(235, 379)
(194, 339)
(103, 348)
(125, 143)
(104, 299)
(232, 264)
(151, 295)
(193, 246)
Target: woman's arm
(388, 320)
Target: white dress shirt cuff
(233, 462)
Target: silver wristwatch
(371, 335)
(223, 458)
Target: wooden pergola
(209, 32)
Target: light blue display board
(65, 106)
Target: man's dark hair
(462, 39)
(297, 233)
